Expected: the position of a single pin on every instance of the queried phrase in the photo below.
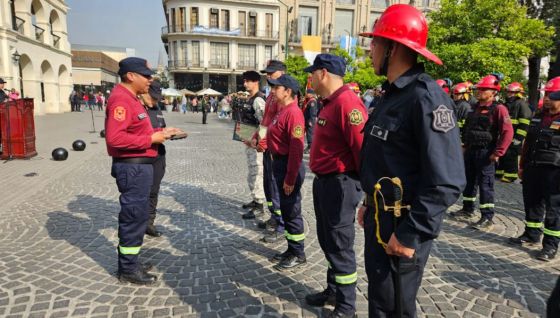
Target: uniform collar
(406, 78)
(334, 95)
(126, 91)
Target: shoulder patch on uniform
(355, 117)
(443, 119)
(297, 132)
(119, 113)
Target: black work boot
(278, 257)
(152, 231)
(249, 205)
(462, 215)
(547, 254)
(524, 239)
(146, 267)
(269, 224)
(339, 314)
(484, 224)
(272, 237)
(139, 278)
(290, 262)
(321, 299)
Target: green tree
(294, 67)
(360, 70)
(477, 37)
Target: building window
(194, 17)
(225, 20)
(345, 2)
(343, 23)
(382, 4)
(182, 20)
(268, 20)
(307, 22)
(426, 3)
(242, 17)
(214, 18)
(176, 52)
(183, 57)
(267, 53)
(219, 55)
(195, 52)
(252, 24)
(247, 56)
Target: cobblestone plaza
(58, 242)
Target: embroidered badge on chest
(355, 117)
(297, 132)
(379, 132)
(119, 113)
(322, 122)
(443, 119)
(142, 116)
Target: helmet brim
(422, 51)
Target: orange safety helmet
(515, 87)
(490, 82)
(406, 25)
(553, 85)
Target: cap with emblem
(332, 63)
(286, 81)
(251, 76)
(274, 66)
(2, 81)
(135, 65)
(155, 90)
(554, 95)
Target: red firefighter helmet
(515, 87)
(461, 88)
(406, 25)
(489, 82)
(553, 85)
(443, 85)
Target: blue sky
(122, 23)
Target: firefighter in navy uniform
(445, 84)
(486, 136)
(132, 143)
(410, 135)
(462, 105)
(539, 168)
(335, 160)
(252, 114)
(284, 138)
(520, 115)
(310, 111)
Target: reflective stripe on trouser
(541, 198)
(335, 199)
(271, 192)
(381, 294)
(480, 174)
(134, 182)
(509, 163)
(290, 205)
(255, 175)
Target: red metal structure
(17, 128)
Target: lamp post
(288, 11)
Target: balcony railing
(39, 33)
(204, 30)
(326, 40)
(219, 64)
(18, 24)
(175, 64)
(247, 66)
(56, 40)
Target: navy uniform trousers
(290, 205)
(335, 199)
(134, 182)
(381, 287)
(271, 192)
(553, 305)
(541, 197)
(480, 174)
(159, 172)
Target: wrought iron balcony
(39, 33)
(221, 31)
(180, 64)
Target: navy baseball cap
(155, 90)
(332, 63)
(286, 81)
(135, 65)
(273, 66)
(554, 95)
(2, 81)
(251, 76)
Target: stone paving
(58, 242)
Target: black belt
(278, 157)
(138, 160)
(351, 174)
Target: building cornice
(272, 3)
(43, 45)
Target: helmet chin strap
(385, 64)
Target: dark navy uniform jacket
(158, 123)
(413, 134)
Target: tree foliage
(294, 67)
(478, 37)
(360, 69)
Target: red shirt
(128, 130)
(503, 124)
(337, 139)
(285, 137)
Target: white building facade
(211, 43)
(35, 56)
